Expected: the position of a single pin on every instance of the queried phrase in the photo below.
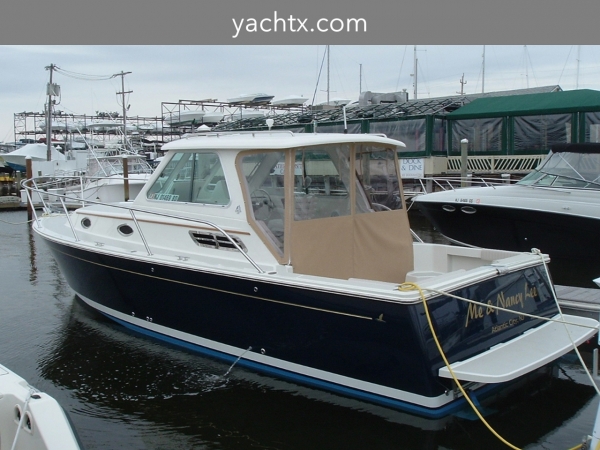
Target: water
(126, 391)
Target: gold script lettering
(502, 301)
(512, 300)
(474, 312)
(531, 292)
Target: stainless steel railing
(40, 186)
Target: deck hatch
(216, 240)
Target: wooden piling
(29, 175)
(125, 178)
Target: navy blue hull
(559, 235)
(567, 239)
(379, 342)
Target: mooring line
(238, 358)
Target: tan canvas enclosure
(331, 210)
(373, 246)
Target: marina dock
(579, 301)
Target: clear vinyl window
(192, 178)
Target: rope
(414, 286)
(238, 358)
(538, 252)
(22, 419)
(407, 286)
(499, 308)
(15, 223)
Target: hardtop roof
(249, 140)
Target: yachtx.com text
(293, 24)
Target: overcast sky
(170, 73)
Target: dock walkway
(579, 301)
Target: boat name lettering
(476, 311)
(507, 324)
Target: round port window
(125, 230)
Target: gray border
(211, 22)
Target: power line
(82, 76)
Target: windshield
(567, 170)
(191, 178)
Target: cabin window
(376, 170)
(192, 178)
(125, 230)
(264, 174)
(322, 182)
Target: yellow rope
(412, 286)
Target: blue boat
(292, 255)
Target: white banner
(412, 167)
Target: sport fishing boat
(30, 419)
(555, 208)
(292, 254)
(37, 152)
(104, 176)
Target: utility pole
(51, 90)
(462, 84)
(122, 93)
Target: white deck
(531, 350)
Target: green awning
(580, 100)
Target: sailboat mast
(415, 70)
(360, 79)
(578, 59)
(483, 72)
(328, 74)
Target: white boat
(555, 208)
(213, 117)
(104, 178)
(146, 127)
(151, 128)
(258, 98)
(290, 100)
(62, 125)
(104, 126)
(335, 102)
(179, 118)
(30, 419)
(292, 254)
(38, 152)
(247, 114)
